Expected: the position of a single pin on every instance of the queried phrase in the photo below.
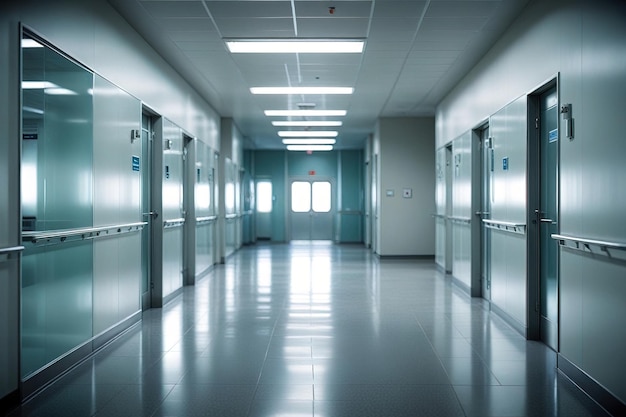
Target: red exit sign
(311, 172)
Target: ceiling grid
(415, 52)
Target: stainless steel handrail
(439, 216)
(505, 226)
(231, 216)
(205, 219)
(585, 244)
(173, 222)
(82, 232)
(464, 220)
(10, 250)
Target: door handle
(482, 213)
(152, 214)
(546, 221)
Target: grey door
(547, 218)
(146, 207)
(311, 209)
(484, 213)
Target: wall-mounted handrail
(12, 249)
(231, 216)
(505, 226)
(351, 212)
(173, 222)
(464, 220)
(439, 216)
(205, 219)
(584, 244)
(81, 233)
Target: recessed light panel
(288, 113)
(305, 123)
(309, 147)
(294, 46)
(302, 90)
(307, 134)
(310, 141)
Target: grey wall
(461, 208)
(584, 43)
(231, 159)
(405, 226)
(117, 200)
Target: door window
(311, 196)
(321, 197)
(264, 197)
(300, 196)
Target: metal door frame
(534, 206)
(481, 244)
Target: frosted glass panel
(57, 140)
(56, 302)
(57, 193)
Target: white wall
(584, 43)
(405, 147)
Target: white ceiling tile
(256, 9)
(209, 35)
(462, 9)
(401, 8)
(332, 28)
(185, 24)
(456, 45)
(453, 23)
(173, 9)
(255, 27)
(345, 9)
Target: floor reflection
(317, 329)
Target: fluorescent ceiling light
(309, 147)
(288, 113)
(316, 123)
(307, 134)
(310, 141)
(277, 46)
(302, 90)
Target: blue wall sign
(505, 163)
(135, 163)
(553, 135)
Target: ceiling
(415, 52)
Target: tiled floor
(318, 330)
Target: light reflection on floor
(317, 329)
